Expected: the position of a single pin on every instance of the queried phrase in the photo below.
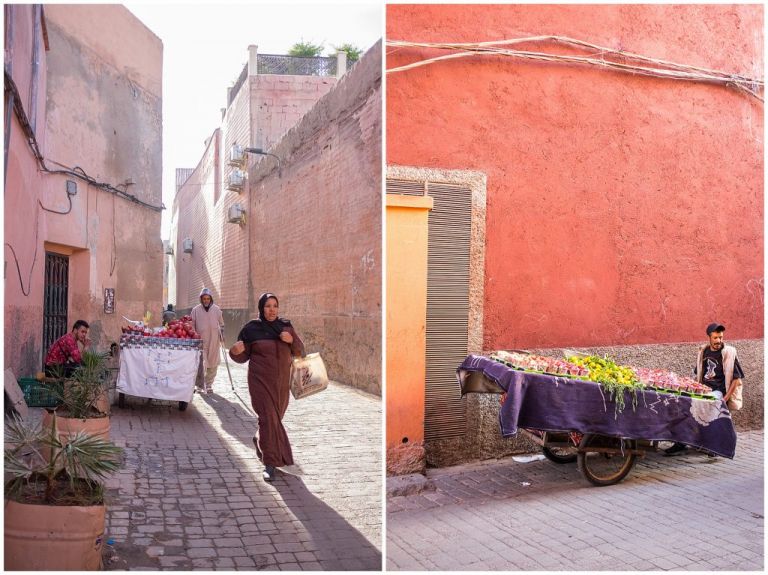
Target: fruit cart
(158, 368)
(573, 419)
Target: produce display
(613, 378)
(539, 363)
(176, 329)
(604, 370)
(667, 381)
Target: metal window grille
(296, 65)
(55, 298)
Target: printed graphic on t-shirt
(711, 366)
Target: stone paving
(687, 512)
(191, 496)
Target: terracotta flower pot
(103, 404)
(53, 538)
(67, 426)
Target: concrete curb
(404, 485)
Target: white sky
(205, 47)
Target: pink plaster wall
(94, 113)
(24, 226)
(621, 209)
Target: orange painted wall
(621, 209)
(406, 317)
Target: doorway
(55, 299)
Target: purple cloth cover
(551, 403)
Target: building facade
(315, 226)
(82, 144)
(618, 209)
(267, 99)
(303, 221)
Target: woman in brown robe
(269, 342)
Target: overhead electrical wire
(77, 171)
(597, 56)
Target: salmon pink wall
(621, 209)
(98, 107)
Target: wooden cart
(602, 460)
(553, 412)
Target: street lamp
(261, 152)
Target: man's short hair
(80, 323)
(715, 327)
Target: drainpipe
(35, 69)
(9, 103)
(253, 70)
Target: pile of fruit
(604, 370)
(532, 362)
(666, 380)
(179, 328)
(613, 378)
(175, 329)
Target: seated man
(65, 354)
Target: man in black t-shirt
(718, 367)
(710, 363)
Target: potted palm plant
(83, 396)
(54, 502)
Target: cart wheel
(605, 467)
(183, 405)
(560, 454)
(121, 400)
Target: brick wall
(315, 233)
(257, 117)
(279, 102)
(192, 206)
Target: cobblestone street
(687, 512)
(191, 496)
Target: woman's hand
(286, 336)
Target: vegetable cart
(158, 368)
(575, 420)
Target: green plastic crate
(38, 393)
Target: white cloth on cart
(159, 373)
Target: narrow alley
(190, 495)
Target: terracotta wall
(99, 109)
(621, 209)
(315, 232)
